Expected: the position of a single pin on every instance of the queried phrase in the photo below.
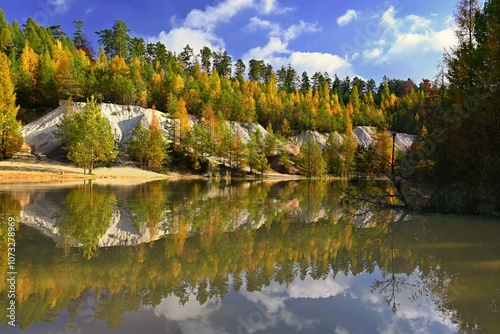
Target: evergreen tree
(205, 58)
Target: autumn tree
(157, 152)
(11, 138)
(88, 136)
(7, 94)
(181, 121)
(465, 17)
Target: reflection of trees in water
(203, 259)
(147, 204)
(10, 208)
(395, 280)
(87, 215)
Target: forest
(455, 114)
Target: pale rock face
(123, 120)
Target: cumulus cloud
(176, 39)
(408, 42)
(212, 15)
(277, 52)
(197, 28)
(348, 17)
(288, 34)
(272, 7)
(319, 62)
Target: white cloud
(388, 18)
(296, 30)
(60, 6)
(319, 62)
(211, 16)
(288, 34)
(277, 53)
(349, 16)
(268, 51)
(408, 42)
(373, 53)
(271, 7)
(176, 39)
(197, 28)
(257, 23)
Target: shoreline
(26, 172)
(14, 172)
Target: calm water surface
(245, 257)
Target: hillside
(39, 135)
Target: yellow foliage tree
(182, 117)
(7, 95)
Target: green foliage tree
(11, 139)
(311, 162)
(139, 145)
(88, 136)
(256, 156)
(88, 213)
(149, 147)
(333, 155)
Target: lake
(241, 257)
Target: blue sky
(368, 38)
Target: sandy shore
(14, 172)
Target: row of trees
(456, 115)
(47, 65)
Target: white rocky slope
(39, 135)
(123, 120)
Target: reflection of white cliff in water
(149, 212)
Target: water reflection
(250, 257)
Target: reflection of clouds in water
(273, 299)
(190, 318)
(275, 307)
(341, 330)
(420, 315)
